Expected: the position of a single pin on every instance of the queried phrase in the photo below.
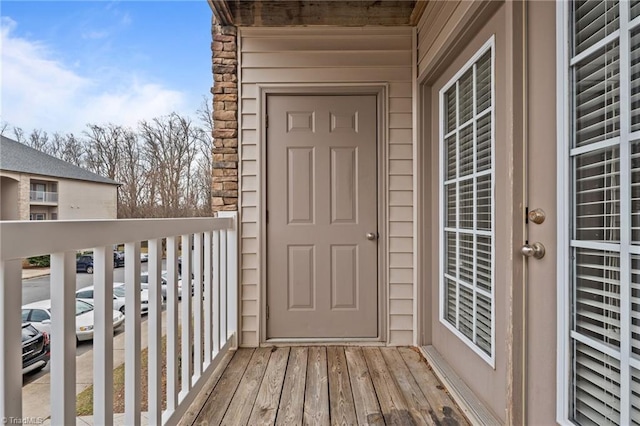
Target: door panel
(322, 270)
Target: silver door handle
(372, 236)
(536, 250)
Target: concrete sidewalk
(28, 273)
(36, 401)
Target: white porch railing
(206, 322)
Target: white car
(144, 283)
(86, 294)
(144, 257)
(39, 315)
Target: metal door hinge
(267, 311)
(266, 121)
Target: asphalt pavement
(36, 285)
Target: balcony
(200, 330)
(218, 383)
(43, 197)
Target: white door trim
(563, 368)
(381, 91)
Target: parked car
(35, 348)
(144, 257)
(144, 283)
(39, 315)
(118, 259)
(87, 294)
(84, 263)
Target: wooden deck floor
(328, 385)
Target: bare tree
(170, 146)
(164, 166)
(73, 150)
(204, 162)
(133, 200)
(103, 149)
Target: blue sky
(66, 64)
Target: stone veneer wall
(225, 118)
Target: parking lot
(39, 288)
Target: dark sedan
(35, 349)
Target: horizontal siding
(331, 55)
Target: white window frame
(489, 359)
(565, 335)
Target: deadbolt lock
(537, 216)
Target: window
(86, 294)
(39, 315)
(466, 200)
(37, 216)
(601, 66)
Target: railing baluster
(223, 288)
(197, 306)
(216, 292)
(10, 354)
(132, 364)
(103, 336)
(155, 333)
(207, 298)
(63, 332)
(232, 276)
(172, 324)
(186, 315)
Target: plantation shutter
(467, 191)
(605, 211)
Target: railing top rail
(20, 239)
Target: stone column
(225, 118)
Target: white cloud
(40, 92)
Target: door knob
(536, 250)
(372, 236)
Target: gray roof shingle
(17, 157)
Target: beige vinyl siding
(309, 56)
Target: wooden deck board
(394, 407)
(364, 395)
(316, 395)
(418, 406)
(445, 410)
(343, 410)
(327, 385)
(240, 408)
(268, 399)
(217, 404)
(292, 401)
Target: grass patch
(84, 400)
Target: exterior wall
(9, 198)
(86, 200)
(522, 383)
(76, 199)
(441, 55)
(315, 56)
(225, 118)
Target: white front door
(322, 248)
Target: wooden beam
(325, 12)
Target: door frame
(381, 92)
